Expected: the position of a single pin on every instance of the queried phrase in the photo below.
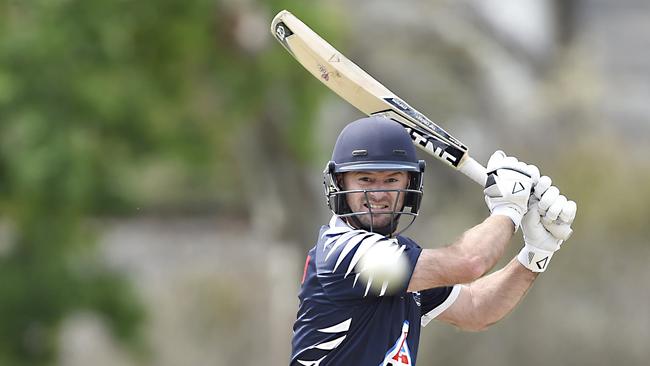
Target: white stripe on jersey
(350, 245)
(342, 239)
(311, 363)
(336, 226)
(340, 234)
(366, 243)
(328, 346)
(343, 326)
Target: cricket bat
(368, 95)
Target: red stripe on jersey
(304, 271)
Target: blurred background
(160, 170)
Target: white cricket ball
(383, 264)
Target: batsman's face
(381, 204)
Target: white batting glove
(557, 212)
(542, 240)
(508, 186)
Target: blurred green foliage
(101, 104)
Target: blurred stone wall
(216, 293)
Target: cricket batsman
(367, 290)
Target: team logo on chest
(399, 354)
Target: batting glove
(556, 211)
(546, 225)
(508, 186)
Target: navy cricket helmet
(374, 144)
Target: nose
(377, 196)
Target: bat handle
(474, 170)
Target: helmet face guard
(374, 144)
(337, 202)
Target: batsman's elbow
(474, 327)
(473, 268)
(467, 312)
(467, 325)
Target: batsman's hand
(508, 186)
(545, 232)
(556, 210)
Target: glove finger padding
(556, 208)
(536, 234)
(510, 162)
(568, 213)
(560, 230)
(542, 185)
(495, 160)
(520, 166)
(533, 171)
(561, 226)
(547, 199)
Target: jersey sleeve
(338, 267)
(436, 300)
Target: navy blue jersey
(342, 320)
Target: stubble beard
(378, 222)
(383, 222)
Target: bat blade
(368, 95)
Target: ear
(339, 181)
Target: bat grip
(474, 171)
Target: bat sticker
(403, 107)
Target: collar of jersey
(336, 221)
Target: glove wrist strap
(511, 212)
(534, 259)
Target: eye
(364, 179)
(394, 180)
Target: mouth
(375, 207)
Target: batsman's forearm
(495, 295)
(468, 258)
(486, 241)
